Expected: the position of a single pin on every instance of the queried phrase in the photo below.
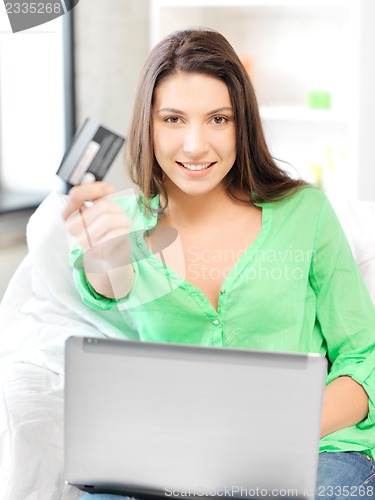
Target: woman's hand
(100, 222)
(81, 193)
(101, 230)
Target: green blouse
(296, 288)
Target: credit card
(90, 154)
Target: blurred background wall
(111, 43)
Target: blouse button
(216, 322)
(222, 291)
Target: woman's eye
(219, 120)
(172, 119)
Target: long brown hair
(255, 173)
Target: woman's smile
(194, 131)
(196, 168)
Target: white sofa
(40, 309)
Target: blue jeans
(341, 476)
(345, 475)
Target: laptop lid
(158, 420)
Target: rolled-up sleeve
(345, 312)
(87, 292)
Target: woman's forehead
(191, 90)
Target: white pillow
(358, 221)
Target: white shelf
(250, 3)
(302, 114)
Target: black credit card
(91, 153)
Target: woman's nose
(195, 142)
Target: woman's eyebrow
(220, 110)
(179, 112)
(170, 110)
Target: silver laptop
(153, 420)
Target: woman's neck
(211, 208)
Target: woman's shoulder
(304, 215)
(306, 200)
(307, 195)
(302, 211)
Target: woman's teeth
(188, 166)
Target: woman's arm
(346, 317)
(109, 278)
(101, 231)
(345, 404)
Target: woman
(223, 248)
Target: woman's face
(193, 132)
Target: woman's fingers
(103, 221)
(85, 192)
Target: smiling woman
(266, 264)
(192, 132)
(255, 172)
